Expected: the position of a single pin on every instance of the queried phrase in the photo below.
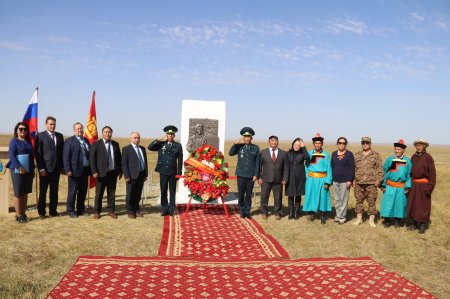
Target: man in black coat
(105, 161)
(169, 165)
(76, 166)
(49, 157)
(273, 176)
(135, 171)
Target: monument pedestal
(209, 116)
(4, 181)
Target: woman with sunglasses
(343, 165)
(21, 164)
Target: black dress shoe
(42, 217)
(73, 215)
(56, 214)
(23, 219)
(242, 216)
(248, 216)
(164, 213)
(323, 219)
(171, 213)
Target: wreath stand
(204, 207)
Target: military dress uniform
(169, 164)
(247, 167)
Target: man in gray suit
(273, 176)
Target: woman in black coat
(296, 158)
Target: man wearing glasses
(368, 176)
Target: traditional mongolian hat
(170, 129)
(317, 138)
(421, 140)
(247, 131)
(400, 143)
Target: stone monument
(201, 122)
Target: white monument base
(206, 110)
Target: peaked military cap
(317, 138)
(170, 129)
(247, 131)
(400, 143)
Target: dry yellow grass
(36, 255)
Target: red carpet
(122, 277)
(210, 234)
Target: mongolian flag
(91, 131)
(31, 116)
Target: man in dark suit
(49, 157)
(170, 164)
(105, 162)
(272, 176)
(135, 171)
(76, 165)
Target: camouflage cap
(366, 138)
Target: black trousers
(109, 183)
(245, 189)
(50, 180)
(277, 197)
(134, 193)
(77, 192)
(167, 181)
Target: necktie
(273, 155)
(53, 138)
(141, 160)
(85, 150)
(110, 159)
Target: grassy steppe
(35, 256)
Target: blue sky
(290, 68)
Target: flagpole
(91, 134)
(36, 171)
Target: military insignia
(2, 167)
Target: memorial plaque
(201, 131)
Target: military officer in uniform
(247, 169)
(170, 164)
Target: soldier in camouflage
(368, 176)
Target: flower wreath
(206, 173)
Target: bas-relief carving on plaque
(201, 131)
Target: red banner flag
(91, 131)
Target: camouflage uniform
(368, 171)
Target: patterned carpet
(207, 255)
(208, 233)
(158, 277)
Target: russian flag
(31, 116)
